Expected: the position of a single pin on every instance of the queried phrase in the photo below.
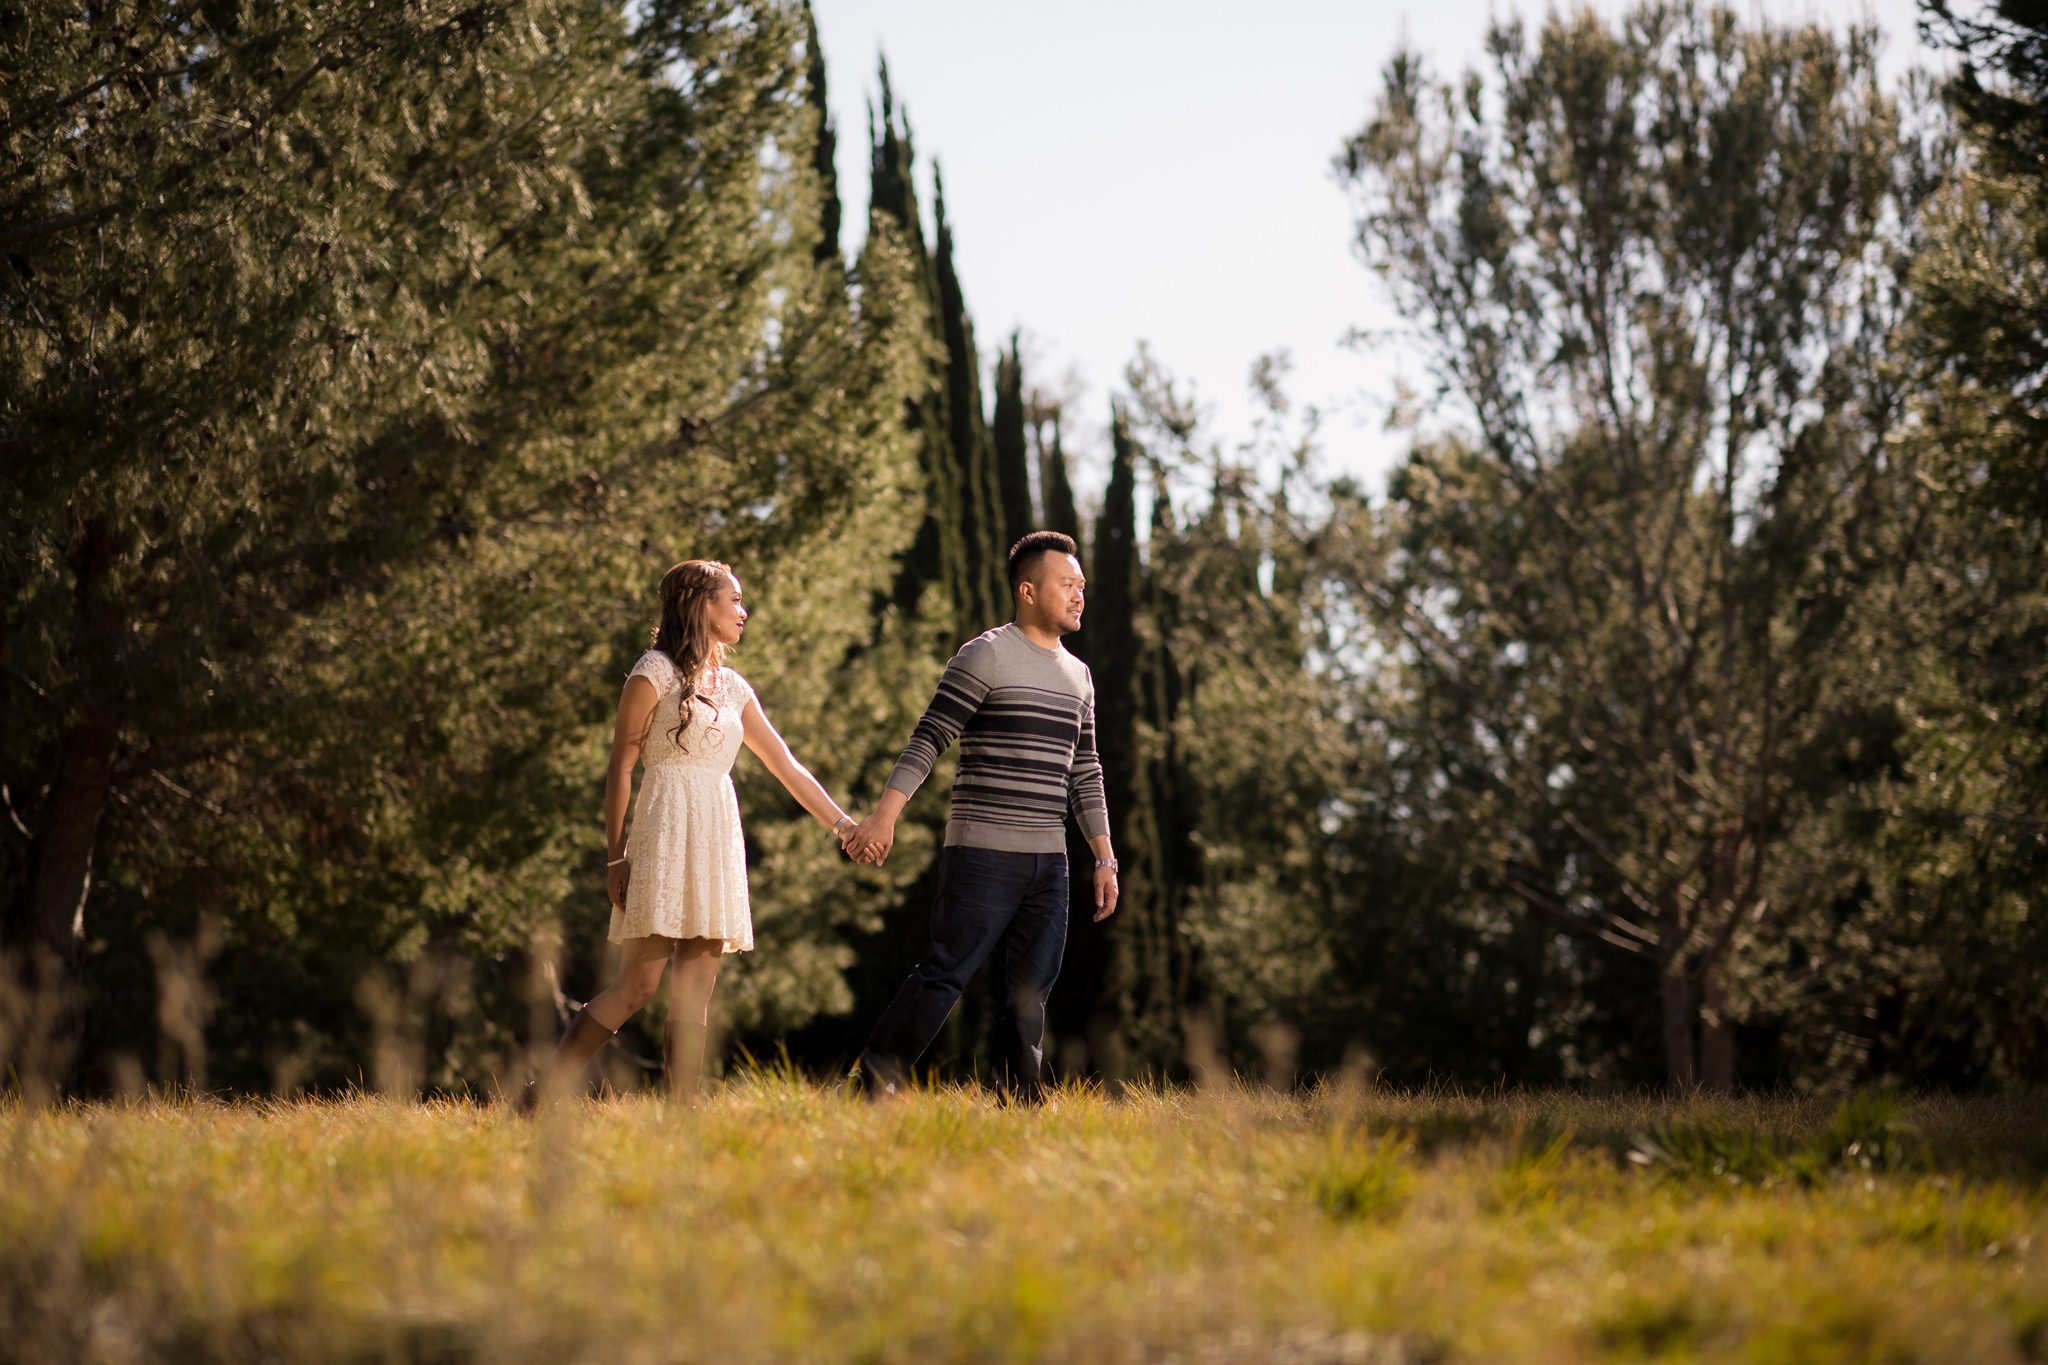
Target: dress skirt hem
(690, 881)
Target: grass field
(784, 1222)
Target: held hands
(847, 830)
(871, 839)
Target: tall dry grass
(786, 1222)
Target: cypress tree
(938, 556)
(824, 147)
(1172, 855)
(1013, 475)
(1138, 984)
(1060, 512)
(986, 601)
(1057, 511)
(1112, 610)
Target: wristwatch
(1109, 863)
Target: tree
(986, 601)
(1007, 433)
(1957, 997)
(340, 441)
(824, 144)
(196, 343)
(1648, 261)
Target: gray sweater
(1025, 719)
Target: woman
(679, 891)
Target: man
(1023, 710)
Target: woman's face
(724, 615)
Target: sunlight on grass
(785, 1222)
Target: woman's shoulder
(737, 687)
(657, 668)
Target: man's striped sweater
(1025, 719)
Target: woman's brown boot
(584, 1039)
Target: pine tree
(371, 430)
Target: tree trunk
(1717, 1034)
(62, 855)
(1678, 1012)
(1717, 1031)
(49, 922)
(63, 864)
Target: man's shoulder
(993, 638)
(1004, 644)
(1084, 681)
(981, 650)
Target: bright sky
(1160, 170)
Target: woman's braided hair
(683, 635)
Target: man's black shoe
(882, 1078)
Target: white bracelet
(843, 820)
(616, 861)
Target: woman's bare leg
(638, 978)
(690, 985)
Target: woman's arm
(768, 746)
(629, 736)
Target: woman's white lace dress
(689, 864)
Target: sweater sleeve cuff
(1094, 822)
(905, 779)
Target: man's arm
(959, 695)
(1091, 808)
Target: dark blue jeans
(1011, 905)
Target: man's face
(1057, 593)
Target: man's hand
(1105, 893)
(616, 879)
(873, 837)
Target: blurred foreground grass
(783, 1222)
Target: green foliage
(344, 437)
(1960, 833)
(1679, 713)
(1357, 1177)
(1648, 1328)
(1633, 615)
(1871, 1131)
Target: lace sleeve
(658, 669)
(739, 689)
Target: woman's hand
(616, 879)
